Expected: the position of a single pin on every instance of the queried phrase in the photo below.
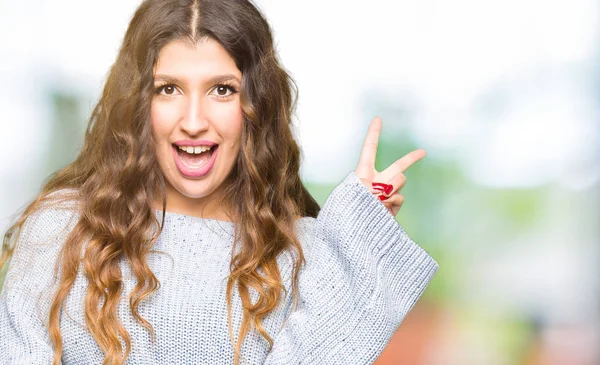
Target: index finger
(369, 148)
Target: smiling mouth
(194, 157)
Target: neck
(209, 207)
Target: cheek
(162, 119)
(232, 122)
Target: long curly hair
(116, 180)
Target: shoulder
(40, 239)
(304, 228)
(54, 217)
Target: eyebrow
(213, 80)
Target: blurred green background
(503, 96)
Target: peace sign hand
(393, 175)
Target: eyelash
(231, 88)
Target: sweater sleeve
(363, 274)
(28, 287)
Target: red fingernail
(387, 189)
(382, 197)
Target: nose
(195, 116)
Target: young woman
(182, 233)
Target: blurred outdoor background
(503, 95)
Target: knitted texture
(362, 276)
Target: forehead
(203, 59)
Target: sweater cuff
(404, 266)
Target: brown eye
(222, 90)
(167, 90)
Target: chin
(194, 189)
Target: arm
(363, 274)
(27, 292)
(23, 338)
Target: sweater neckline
(225, 229)
(230, 226)
(192, 218)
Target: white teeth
(194, 149)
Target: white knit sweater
(363, 274)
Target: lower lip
(198, 172)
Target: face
(196, 123)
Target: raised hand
(393, 175)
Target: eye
(224, 90)
(167, 90)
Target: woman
(182, 232)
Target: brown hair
(116, 178)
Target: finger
(394, 203)
(396, 184)
(369, 148)
(385, 188)
(404, 163)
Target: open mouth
(195, 161)
(195, 157)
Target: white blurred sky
(445, 55)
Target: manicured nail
(386, 188)
(382, 197)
